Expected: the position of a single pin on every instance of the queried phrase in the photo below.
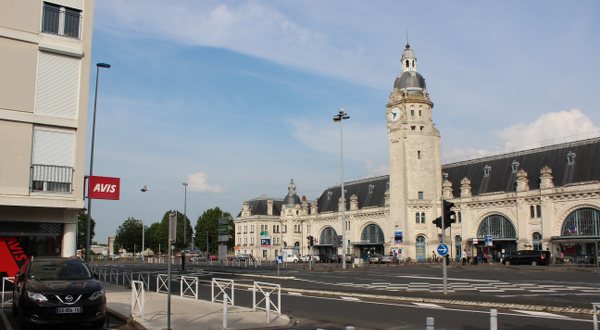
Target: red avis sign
(102, 187)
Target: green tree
(129, 235)
(156, 237)
(82, 229)
(207, 227)
(164, 226)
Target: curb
(126, 319)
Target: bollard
(268, 301)
(225, 310)
(493, 319)
(429, 322)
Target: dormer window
(387, 185)
(571, 158)
(329, 193)
(371, 187)
(486, 170)
(514, 166)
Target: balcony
(51, 179)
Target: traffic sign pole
(444, 269)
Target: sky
(236, 98)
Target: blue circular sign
(442, 249)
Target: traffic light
(310, 241)
(449, 215)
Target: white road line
(5, 319)
(542, 314)
(350, 298)
(451, 278)
(427, 305)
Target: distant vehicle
(528, 257)
(199, 258)
(243, 257)
(57, 291)
(307, 258)
(375, 258)
(214, 258)
(290, 255)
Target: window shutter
(53, 147)
(57, 85)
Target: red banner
(12, 256)
(102, 187)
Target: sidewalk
(187, 313)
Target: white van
(289, 255)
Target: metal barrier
(114, 273)
(595, 309)
(266, 289)
(128, 276)
(145, 280)
(137, 298)
(191, 284)
(222, 285)
(161, 283)
(6, 280)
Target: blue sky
(237, 97)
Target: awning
(575, 239)
(362, 243)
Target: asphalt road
(329, 298)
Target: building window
(515, 166)
(60, 20)
(538, 209)
(329, 193)
(459, 217)
(420, 195)
(412, 113)
(419, 154)
(52, 160)
(412, 128)
(371, 187)
(418, 217)
(531, 211)
(419, 113)
(486, 170)
(537, 241)
(422, 217)
(571, 158)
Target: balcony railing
(51, 178)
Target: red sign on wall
(102, 187)
(12, 256)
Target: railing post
(429, 323)
(595, 316)
(268, 301)
(225, 310)
(493, 319)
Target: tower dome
(410, 78)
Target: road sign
(279, 259)
(442, 249)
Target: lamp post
(184, 213)
(144, 189)
(341, 116)
(89, 207)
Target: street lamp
(341, 116)
(144, 189)
(184, 213)
(89, 208)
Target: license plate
(68, 310)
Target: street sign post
(442, 249)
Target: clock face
(394, 114)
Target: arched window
(536, 240)
(498, 226)
(582, 222)
(327, 236)
(422, 217)
(372, 234)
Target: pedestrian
(463, 257)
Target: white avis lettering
(105, 188)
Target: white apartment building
(45, 49)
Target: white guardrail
(5, 281)
(267, 289)
(187, 285)
(225, 288)
(138, 299)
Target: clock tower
(415, 161)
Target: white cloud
(199, 182)
(550, 128)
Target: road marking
(294, 293)
(451, 278)
(542, 314)
(350, 298)
(427, 305)
(5, 319)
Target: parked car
(332, 258)
(243, 257)
(307, 258)
(528, 257)
(213, 258)
(375, 258)
(56, 291)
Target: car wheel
(507, 263)
(23, 324)
(534, 263)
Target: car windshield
(59, 270)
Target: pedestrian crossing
(457, 287)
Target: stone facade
(514, 198)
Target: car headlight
(37, 297)
(97, 294)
